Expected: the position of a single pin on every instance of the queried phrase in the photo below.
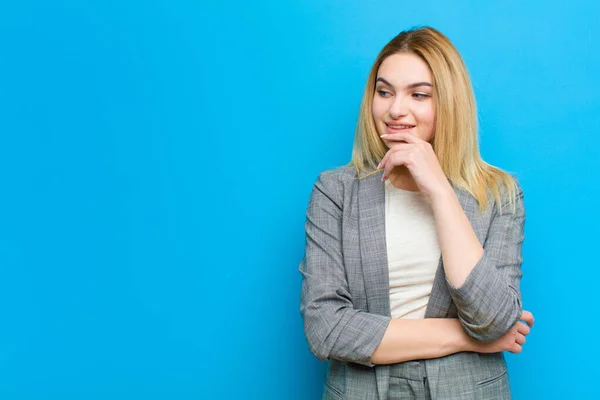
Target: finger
(402, 137)
(395, 159)
(391, 162)
(516, 349)
(520, 339)
(523, 329)
(384, 159)
(528, 317)
(400, 145)
(394, 146)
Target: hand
(513, 340)
(419, 158)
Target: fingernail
(386, 135)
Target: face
(403, 99)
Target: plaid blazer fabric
(345, 291)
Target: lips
(399, 127)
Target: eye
(383, 93)
(420, 96)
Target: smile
(397, 128)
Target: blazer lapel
(373, 252)
(439, 299)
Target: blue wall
(156, 159)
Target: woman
(398, 290)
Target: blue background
(156, 159)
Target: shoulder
(510, 197)
(334, 183)
(510, 194)
(517, 185)
(338, 176)
(505, 192)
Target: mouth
(395, 128)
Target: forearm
(415, 339)
(484, 285)
(459, 245)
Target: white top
(413, 251)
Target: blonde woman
(413, 250)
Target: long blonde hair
(455, 140)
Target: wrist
(471, 344)
(443, 194)
(460, 341)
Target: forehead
(404, 68)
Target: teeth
(399, 126)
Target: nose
(399, 107)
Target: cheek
(431, 117)
(378, 109)
(427, 115)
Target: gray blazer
(345, 291)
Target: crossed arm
(406, 339)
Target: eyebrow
(411, 86)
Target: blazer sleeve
(333, 328)
(489, 301)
